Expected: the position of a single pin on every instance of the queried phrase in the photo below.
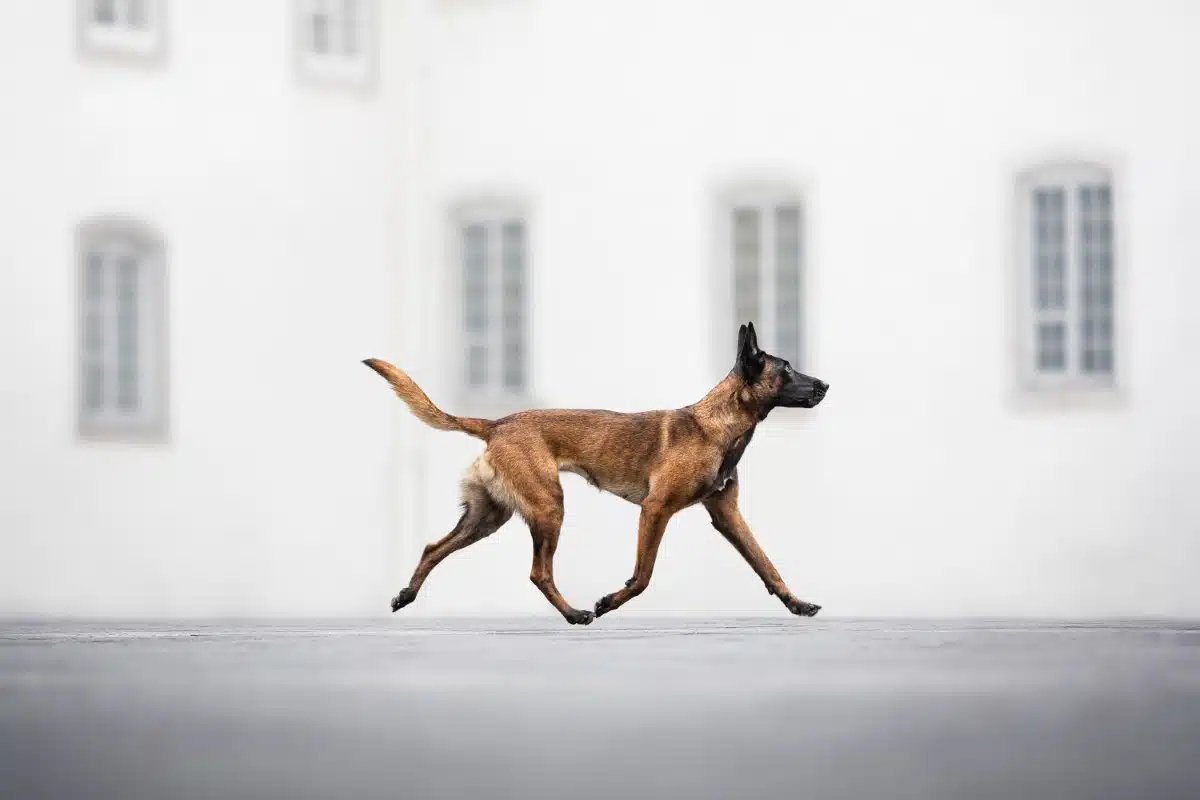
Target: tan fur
(663, 461)
(421, 406)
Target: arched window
(1067, 276)
(761, 267)
(122, 339)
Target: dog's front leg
(727, 519)
(652, 524)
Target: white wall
(272, 494)
(306, 230)
(920, 486)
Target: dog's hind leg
(545, 529)
(527, 473)
(482, 516)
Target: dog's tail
(423, 408)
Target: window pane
(477, 365)
(93, 331)
(747, 236)
(135, 16)
(94, 383)
(127, 335)
(513, 304)
(1049, 249)
(94, 277)
(475, 278)
(475, 301)
(787, 283)
(350, 23)
(1051, 347)
(104, 12)
(93, 336)
(94, 390)
(319, 31)
(1096, 278)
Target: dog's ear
(750, 360)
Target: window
(762, 269)
(122, 330)
(1067, 277)
(122, 27)
(494, 267)
(336, 42)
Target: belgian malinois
(663, 461)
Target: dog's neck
(728, 411)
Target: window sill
(146, 47)
(140, 436)
(354, 76)
(1074, 396)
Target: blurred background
(976, 220)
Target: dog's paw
(604, 605)
(801, 608)
(578, 617)
(405, 597)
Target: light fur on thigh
(482, 476)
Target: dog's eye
(787, 368)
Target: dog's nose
(822, 386)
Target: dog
(662, 461)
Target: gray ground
(627, 708)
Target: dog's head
(770, 381)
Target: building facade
(973, 221)
(199, 221)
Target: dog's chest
(733, 455)
(728, 466)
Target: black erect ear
(750, 360)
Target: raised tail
(422, 407)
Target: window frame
(493, 211)
(1068, 172)
(767, 195)
(152, 423)
(121, 42)
(330, 71)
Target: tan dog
(663, 461)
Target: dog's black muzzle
(818, 392)
(806, 395)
